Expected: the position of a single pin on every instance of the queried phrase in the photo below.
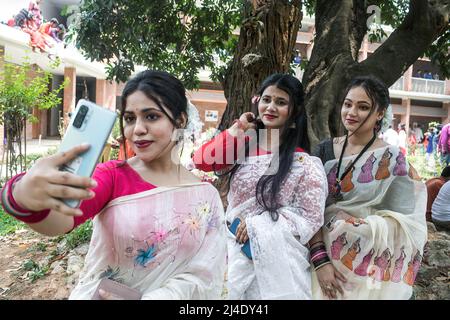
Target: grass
(418, 162)
(34, 270)
(8, 224)
(80, 235)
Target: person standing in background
(402, 138)
(444, 145)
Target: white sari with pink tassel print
(168, 243)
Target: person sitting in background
(34, 8)
(433, 187)
(440, 210)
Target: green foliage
(22, 87)
(80, 235)
(41, 246)
(19, 92)
(419, 163)
(31, 159)
(180, 37)
(9, 224)
(115, 132)
(433, 124)
(158, 34)
(34, 270)
(393, 13)
(29, 265)
(439, 53)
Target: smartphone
(246, 247)
(116, 288)
(91, 124)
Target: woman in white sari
(278, 194)
(156, 228)
(372, 242)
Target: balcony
(428, 85)
(398, 85)
(421, 85)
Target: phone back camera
(81, 114)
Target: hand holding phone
(44, 184)
(245, 248)
(91, 124)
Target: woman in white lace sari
(157, 229)
(276, 190)
(372, 243)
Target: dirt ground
(26, 255)
(16, 279)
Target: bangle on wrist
(12, 208)
(321, 265)
(311, 246)
(9, 204)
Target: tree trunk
(266, 45)
(340, 29)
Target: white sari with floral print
(168, 243)
(380, 249)
(280, 267)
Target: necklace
(337, 194)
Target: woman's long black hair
(293, 135)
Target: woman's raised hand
(248, 121)
(43, 186)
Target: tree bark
(266, 45)
(267, 40)
(341, 26)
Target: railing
(428, 85)
(421, 85)
(398, 85)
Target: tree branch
(340, 29)
(426, 20)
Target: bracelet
(9, 204)
(319, 255)
(321, 265)
(12, 208)
(317, 249)
(312, 245)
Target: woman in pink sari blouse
(156, 228)
(278, 193)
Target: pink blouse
(114, 179)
